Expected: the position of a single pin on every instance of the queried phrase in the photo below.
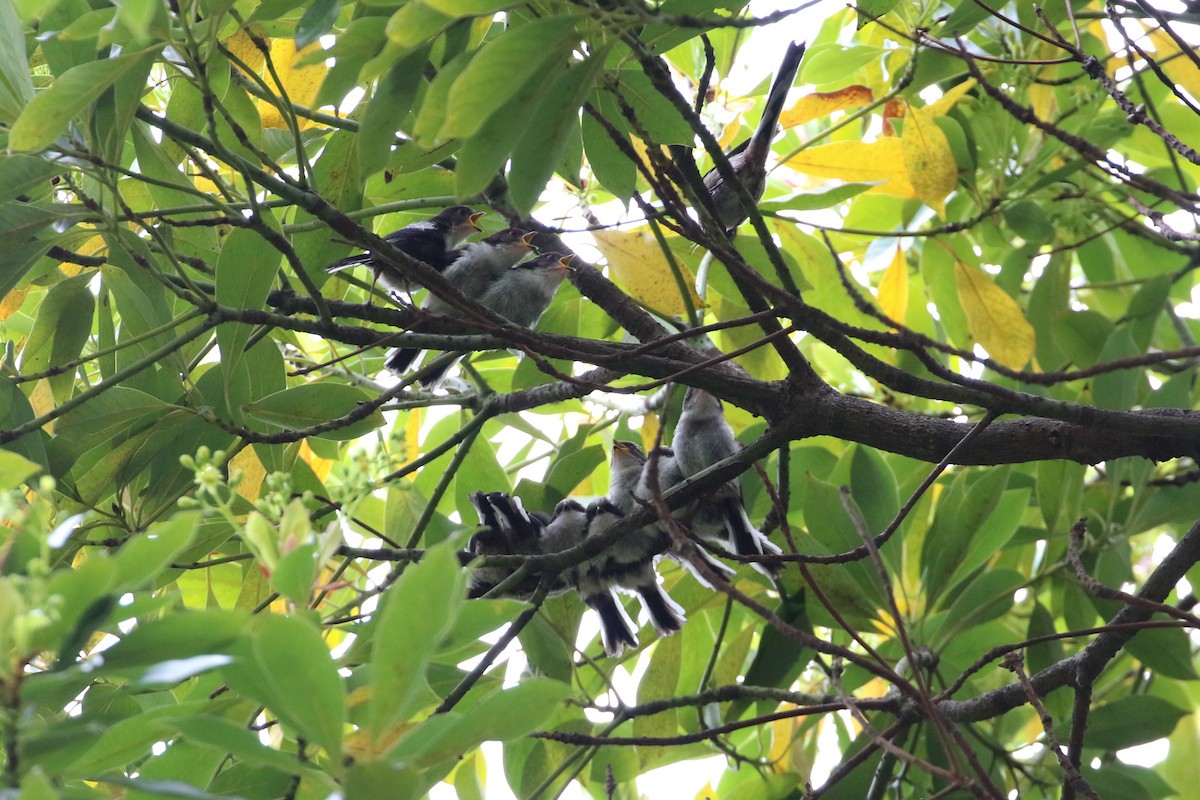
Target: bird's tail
(666, 615)
(348, 262)
(778, 93)
(401, 358)
(616, 629)
(747, 540)
(719, 567)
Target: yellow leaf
(649, 432)
(253, 473)
(12, 303)
(893, 289)
(42, 401)
(946, 102)
(412, 435)
(822, 104)
(637, 263)
(320, 466)
(928, 159)
(1178, 66)
(244, 48)
(995, 319)
(301, 84)
(858, 162)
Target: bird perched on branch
(508, 530)
(521, 294)
(702, 438)
(749, 159)
(430, 240)
(669, 476)
(629, 564)
(475, 268)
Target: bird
(508, 529)
(669, 476)
(628, 564)
(702, 438)
(749, 159)
(521, 294)
(430, 240)
(475, 267)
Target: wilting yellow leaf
(301, 84)
(320, 466)
(412, 435)
(42, 401)
(947, 101)
(858, 162)
(1178, 66)
(995, 319)
(253, 473)
(822, 104)
(893, 289)
(637, 263)
(244, 48)
(12, 303)
(649, 432)
(928, 159)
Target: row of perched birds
(702, 438)
(492, 273)
(489, 272)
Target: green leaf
(146, 555)
(1130, 721)
(49, 112)
(311, 404)
(499, 70)
(16, 86)
(835, 63)
(14, 469)
(391, 103)
(245, 272)
(538, 153)
(318, 19)
(413, 617)
(1167, 651)
(987, 597)
(285, 658)
(63, 323)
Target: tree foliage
(957, 339)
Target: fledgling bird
(702, 438)
(749, 159)
(670, 476)
(430, 240)
(521, 295)
(623, 567)
(566, 529)
(476, 267)
(508, 530)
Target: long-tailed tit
(749, 159)
(476, 267)
(702, 438)
(521, 295)
(508, 530)
(663, 462)
(623, 567)
(430, 240)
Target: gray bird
(508, 530)
(475, 267)
(626, 566)
(749, 159)
(669, 476)
(568, 528)
(430, 240)
(521, 295)
(702, 438)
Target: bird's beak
(474, 220)
(564, 263)
(527, 239)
